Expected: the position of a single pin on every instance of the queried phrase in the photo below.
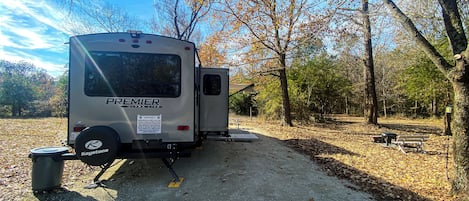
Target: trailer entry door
(214, 100)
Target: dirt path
(260, 170)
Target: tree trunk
(371, 101)
(385, 112)
(460, 130)
(346, 106)
(460, 122)
(286, 117)
(14, 110)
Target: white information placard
(149, 124)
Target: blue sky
(32, 31)
(35, 30)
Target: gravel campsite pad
(259, 170)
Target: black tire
(97, 145)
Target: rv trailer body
(142, 86)
(140, 95)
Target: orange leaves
(211, 52)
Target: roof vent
(134, 33)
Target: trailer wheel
(97, 145)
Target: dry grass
(344, 148)
(17, 138)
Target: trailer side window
(212, 84)
(119, 74)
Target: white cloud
(30, 31)
(53, 68)
(25, 28)
(40, 11)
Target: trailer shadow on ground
(59, 193)
(261, 170)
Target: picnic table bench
(411, 141)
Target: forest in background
(28, 91)
(319, 86)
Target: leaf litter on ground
(343, 148)
(17, 138)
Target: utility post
(448, 112)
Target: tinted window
(132, 75)
(212, 84)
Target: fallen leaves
(18, 137)
(343, 148)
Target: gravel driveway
(254, 171)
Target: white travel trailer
(140, 95)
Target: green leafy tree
(59, 100)
(43, 86)
(269, 98)
(17, 89)
(242, 104)
(424, 83)
(318, 87)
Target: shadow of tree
(316, 146)
(422, 129)
(379, 188)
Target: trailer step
(234, 137)
(175, 184)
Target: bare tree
(346, 11)
(184, 16)
(90, 17)
(457, 72)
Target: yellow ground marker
(174, 184)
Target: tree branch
(232, 12)
(176, 25)
(453, 24)
(407, 23)
(356, 22)
(270, 72)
